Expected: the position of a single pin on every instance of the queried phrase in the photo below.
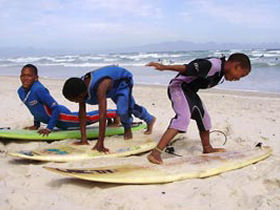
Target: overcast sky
(105, 24)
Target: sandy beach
(246, 117)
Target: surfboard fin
(259, 145)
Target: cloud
(254, 13)
(135, 22)
(142, 8)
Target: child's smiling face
(28, 77)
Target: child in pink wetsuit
(182, 91)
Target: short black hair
(242, 59)
(31, 66)
(73, 87)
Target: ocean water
(265, 75)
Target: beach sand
(246, 117)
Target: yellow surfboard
(174, 169)
(69, 152)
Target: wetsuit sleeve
(198, 68)
(45, 98)
(20, 95)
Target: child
(182, 91)
(44, 108)
(95, 87)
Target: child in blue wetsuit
(182, 91)
(95, 87)
(45, 109)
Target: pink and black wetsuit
(182, 91)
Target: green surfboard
(92, 132)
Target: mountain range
(154, 47)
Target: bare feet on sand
(150, 126)
(154, 157)
(127, 134)
(210, 149)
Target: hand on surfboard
(44, 131)
(33, 127)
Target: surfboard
(173, 169)
(69, 152)
(92, 132)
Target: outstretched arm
(161, 67)
(102, 90)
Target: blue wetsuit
(45, 109)
(120, 93)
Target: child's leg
(179, 123)
(155, 157)
(122, 102)
(93, 116)
(203, 120)
(143, 114)
(205, 140)
(69, 119)
(114, 122)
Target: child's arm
(102, 90)
(82, 116)
(46, 99)
(161, 67)
(197, 68)
(35, 126)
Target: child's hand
(157, 66)
(44, 131)
(33, 127)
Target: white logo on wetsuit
(53, 104)
(196, 66)
(32, 103)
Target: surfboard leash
(219, 131)
(171, 150)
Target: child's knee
(180, 123)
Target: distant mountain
(155, 47)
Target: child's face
(27, 78)
(235, 72)
(79, 99)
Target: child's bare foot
(127, 133)
(210, 149)
(150, 126)
(154, 157)
(115, 122)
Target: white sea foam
(263, 60)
